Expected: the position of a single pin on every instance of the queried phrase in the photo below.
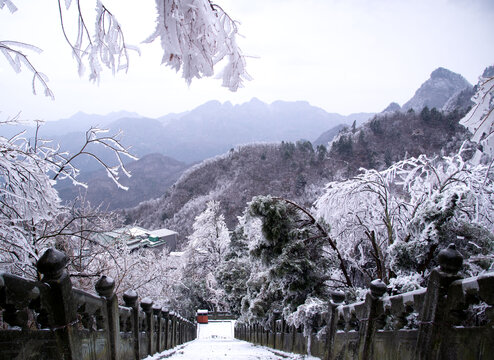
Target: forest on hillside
(267, 227)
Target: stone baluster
(157, 315)
(434, 320)
(104, 287)
(173, 340)
(166, 319)
(368, 326)
(130, 299)
(147, 307)
(63, 314)
(276, 316)
(337, 298)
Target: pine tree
(289, 259)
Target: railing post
(276, 316)
(173, 341)
(60, 301)
(293, 331)
(179, 330)
(147, 307)
(337, 298)
(368, 326)
(165, 313)
(283, 331)
(104, 287)
(434, 321)
(130, 299)
(157, 313)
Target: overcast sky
(341, 55)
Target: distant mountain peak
(437, 90)
(255, 100)
(441, 72)
(392, 107)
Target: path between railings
(215, 341)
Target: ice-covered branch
(195, 35)
(17, 59)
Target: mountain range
(299, 171)
(296, 171)
(179, 140)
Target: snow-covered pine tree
(289, 262)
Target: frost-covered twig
(195, 35)
(17, 59)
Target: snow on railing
(49, 319)
(452, 318)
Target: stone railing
(452, 318)
(51, 320)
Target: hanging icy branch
(195, 35)
(105, 46)
(12, 50)
(10, 5)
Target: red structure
(202, 316)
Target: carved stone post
(166, 315)
(147, 307)
(283, 331)
(294, 334)
(130, 300)
(173, 319)
(104, 287)
(276, 316)
(368, 326)
(159, 337)
(182, 330)
(63, 314)
(434, 320)
(337, 298)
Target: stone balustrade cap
(378, 288)
(156, 309)
(146, 304)
(130, 298)
(104, 286)
(337, 296)
(450, 260)
(52, 263)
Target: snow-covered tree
(32, 216)
(288, 261)
(480, 119)
(393, 222)
(235, 269)
(195, 35)
(207, 247)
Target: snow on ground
(216, 329)
(215, 341)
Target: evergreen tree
(289, 259)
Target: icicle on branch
(195, 35)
